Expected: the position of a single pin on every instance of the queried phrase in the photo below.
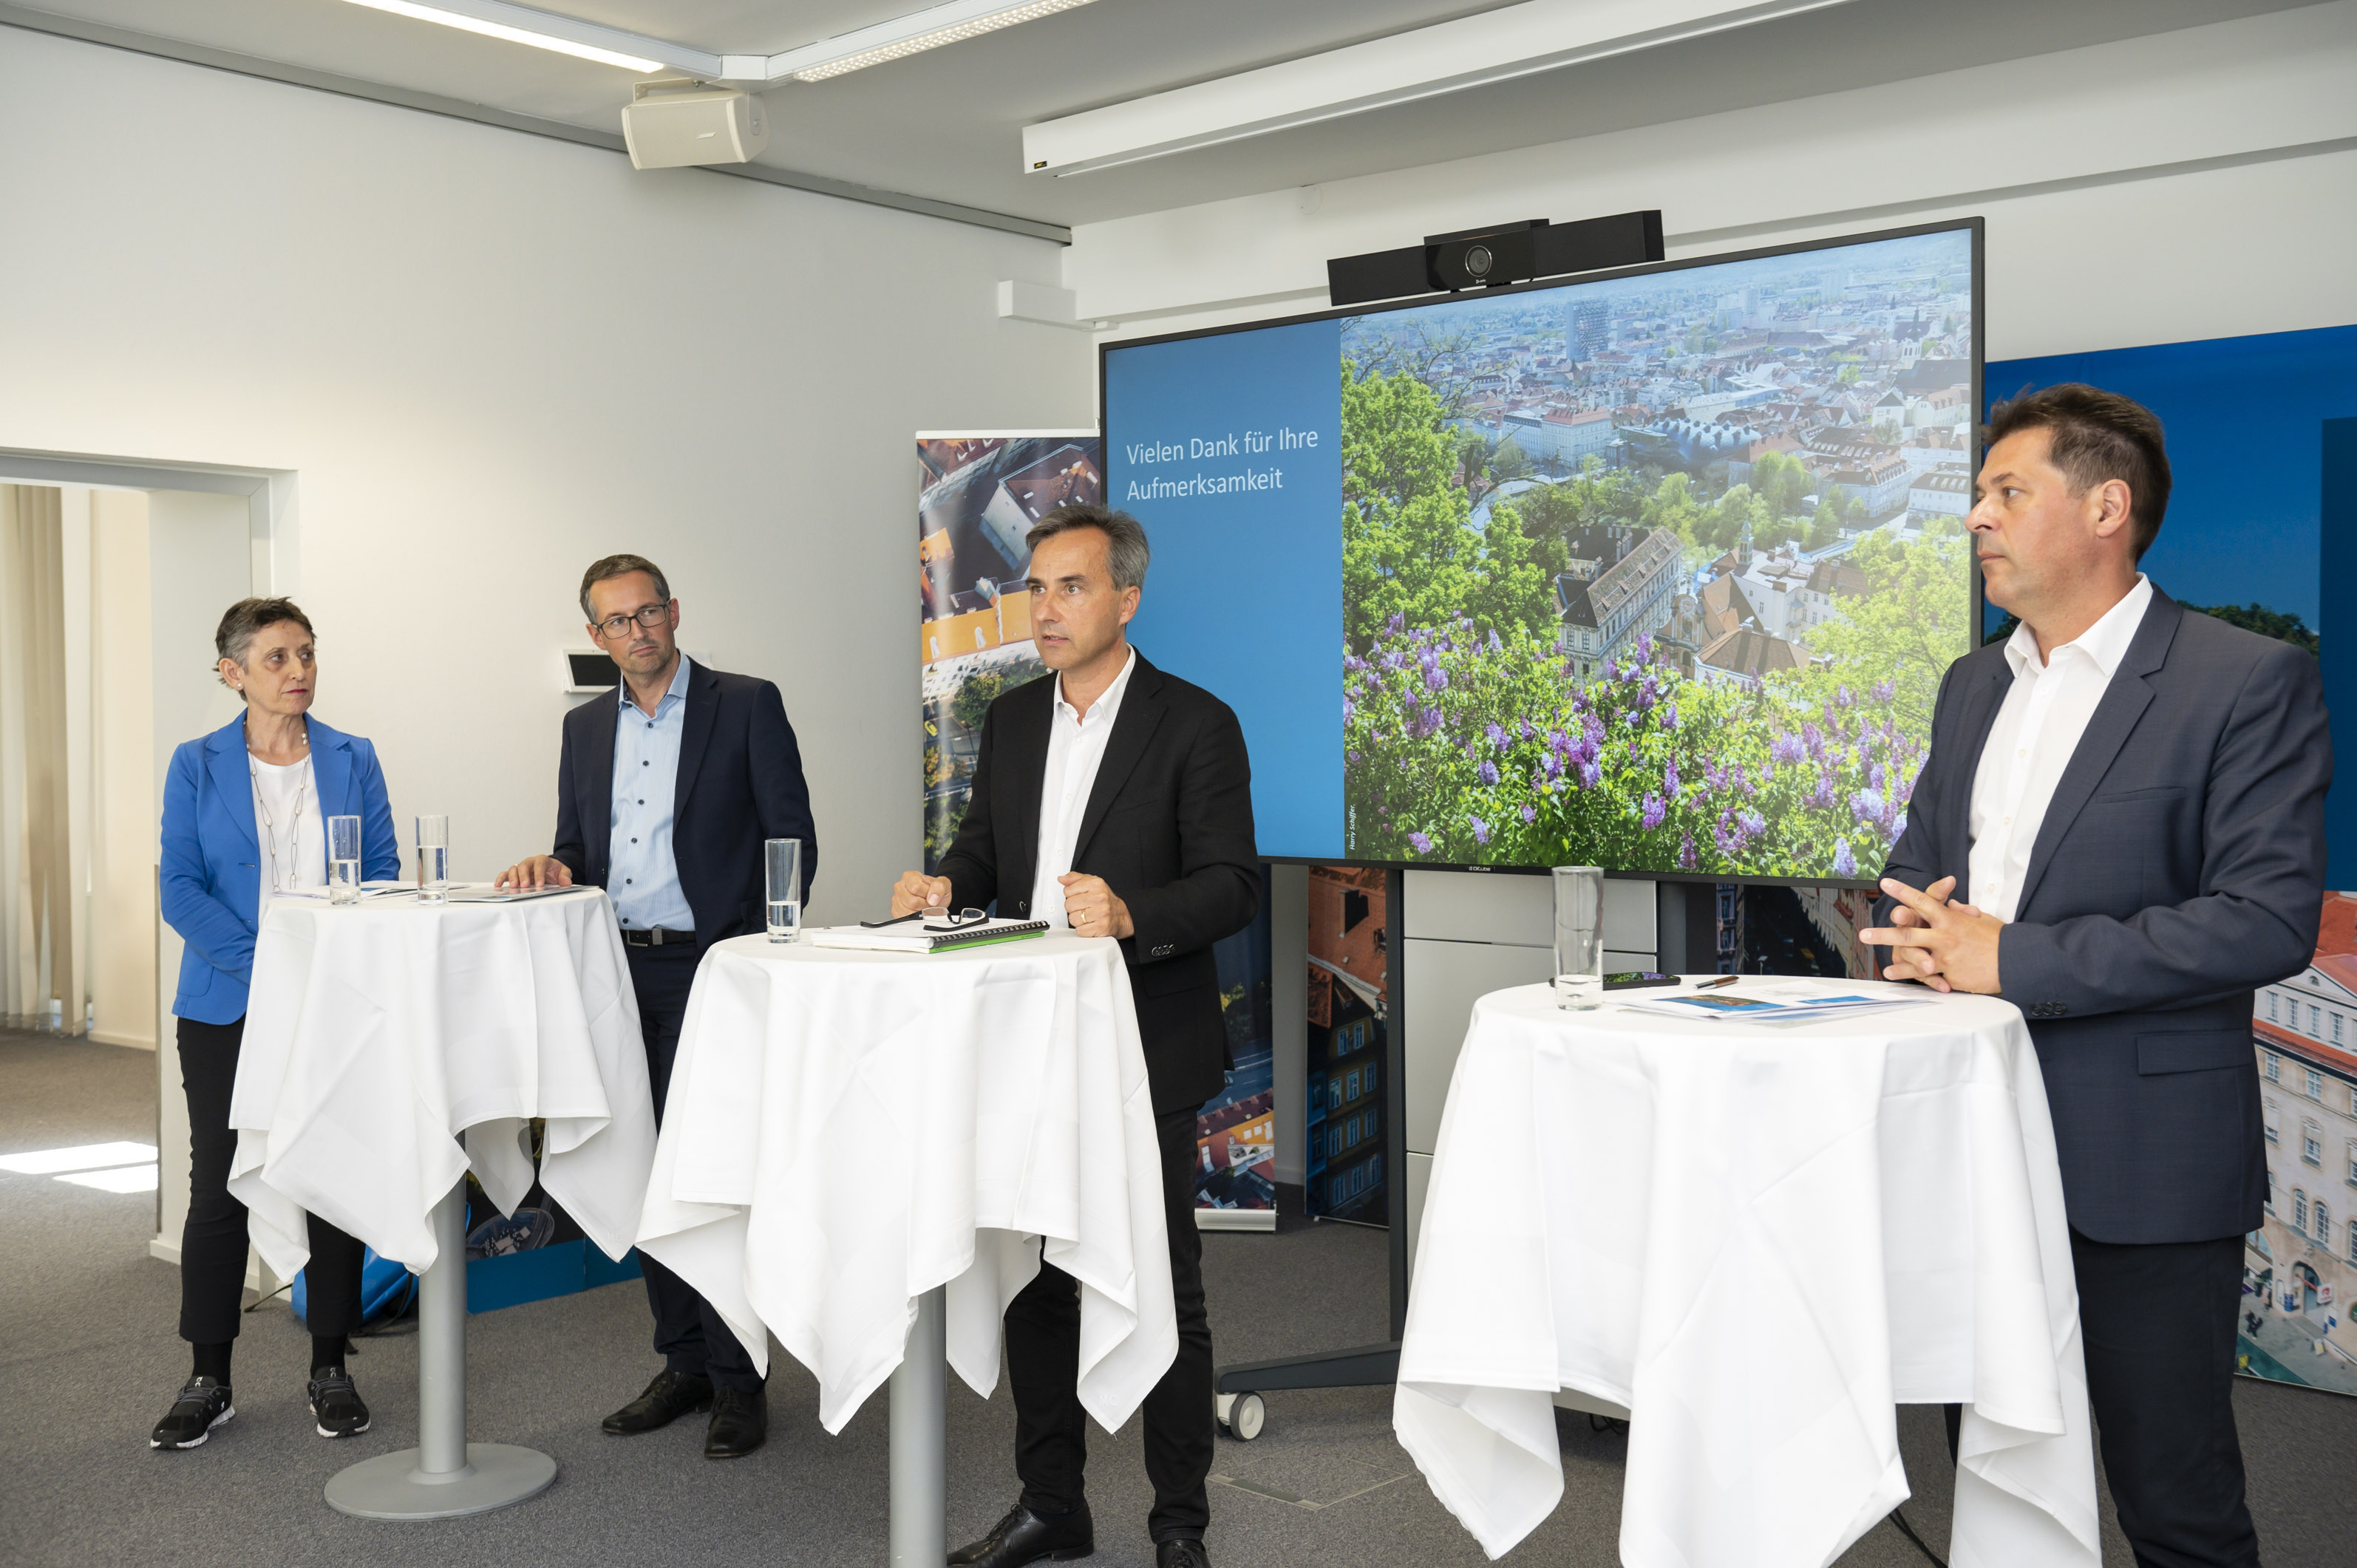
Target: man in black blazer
(665, 793)
(2120, 828)
(1117, 800)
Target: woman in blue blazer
(245, 812)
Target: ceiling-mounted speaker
(678, 123)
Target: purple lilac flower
(1644, 648)
(1897, 827)
(1826, 792)
(1685, 850)
(1553, 764)
(1497, 735)
(1591, 773)
(1752, 823)
(1670, 778)
(1528, 731)
(1436, 680)
(1669, 715)
(1349, 710)
(1530, 815)
(1611, 670)
(1655, 810)
(1786, 748)
(1488, 773)
(1874, 775)
(1647, 693)
(1418, 843)
(1882, 690)
(1845, 862)
(1735, 777)
(1866, 805)
(1397, 624)
(1814, 738)
(1480, 830)
(1714, 776)
(1842, 695)
(1495, 646)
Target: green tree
(1780, 479)
(1672, 506)
(1912, 621)
(1509, 461)
(1408, 546)
(1825, 528)
(1514, 582)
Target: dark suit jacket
(2180, 867)
(1169, 825)
(740, 782)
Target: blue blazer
(213, 859)
(2181, 867)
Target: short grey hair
(246, 619)
(1126, 552)
(614, 567)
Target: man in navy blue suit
(2120, 828)
(665, 794)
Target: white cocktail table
(1759, 1241)
(377, 1035)
(865, 1154)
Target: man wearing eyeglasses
(665, 794)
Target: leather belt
(656, 936)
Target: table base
(919, 1440)
(392, 1486)
(445, 1476)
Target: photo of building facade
(1349, 1016)
(2300, 1264)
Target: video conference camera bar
(1503, 253)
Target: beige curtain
(37, 924)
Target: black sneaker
(337, 1405)
(203, 1404)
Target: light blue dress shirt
(644, 882)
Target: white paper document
(930, 935)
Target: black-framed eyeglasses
(963, 917)
(648, 616)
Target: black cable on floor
(1909, 1532)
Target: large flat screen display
(1657, 571)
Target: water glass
(343, 860)
(1578, 937)
(433, 859)
(785, 892)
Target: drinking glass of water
(433, 859)
(785, 871)
(343, 860)
(1578, 937)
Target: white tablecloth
(378, 1034)
(1759, 1242)
(847, 1130)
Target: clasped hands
(1092, 908)
(1946, 945)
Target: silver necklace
(269, 825)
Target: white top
(380, 1035)
(1758, 1242)
(1076, 746)
(847, 1131)
(288, 827)
(2046, 711)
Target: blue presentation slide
(1229, 449)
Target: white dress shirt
(2046, 711)
(1076, 745)
(644, 880)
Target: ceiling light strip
(905, 36)
(561, 35)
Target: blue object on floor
(387, 1289)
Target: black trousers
(213, 1240)
(2159, 1324)
(693, 1339)
(1043, 1366)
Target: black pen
(1715, 984)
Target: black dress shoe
(1026, 1537)
(668, 1398)
(1184, 1553)
(740, 1423)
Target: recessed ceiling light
(905, 36)
(515, 35)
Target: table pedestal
(920, 1467)
(446, 1475)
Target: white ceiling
(947, 124)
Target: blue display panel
(1230, 454)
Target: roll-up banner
(978, 493)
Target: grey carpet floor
(89, 1359)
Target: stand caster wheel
(1242, 1415)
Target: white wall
(2189, 185)
(491, 357)
(123, 774)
